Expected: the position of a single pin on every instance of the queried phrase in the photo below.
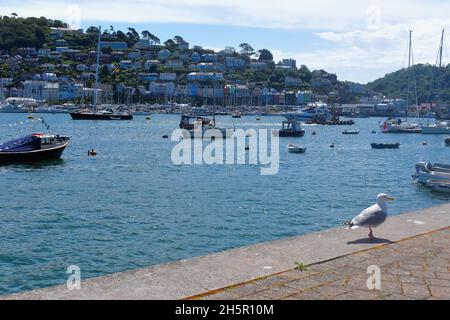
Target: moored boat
(350, 132)
(32, 148)
(236, 115)
(100, 115)
(447, 141)
(442, 186)
(292, 148)
(385, 145)
(440, 127)
(291, 129)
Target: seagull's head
(382, 198)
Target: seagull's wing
(372, 216)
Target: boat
(33, 148)
(392, 125)
(313, 112)
(87, 114)
(93, 113)
(385, 145)
(447, 141)
(291, 129)
(350, 132)
(236, 115)
(440, 127)
(442, 186)
(10, 108)
(429, 167)
(292, 148)
(424, 175)
(398, 126)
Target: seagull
(372, 217)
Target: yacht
(10, 108)
(315, 111)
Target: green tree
(265, 55)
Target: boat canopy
(27, 143)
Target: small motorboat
(429, 167)
(236, 115)
(258, 119)
(447, 142)
(385, 145)
(32, 148)
(292, 148)
(291, 129)
(350, 132)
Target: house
(292, 81)
(47, 66)
(207, 67)
(144, 76)
(168, 76)
(204, 76)
(196, 57)
(62, 49)
(174, 64)
(209, 57)
(49, 76)
(115, 45)
(44, 53)
(134, 55)
(55, 55)
(125, 64)
(162, 89)
(70, 90)
(164, 54)
(149, 63)
(287, 63)
(61, 43)
(80, 56)
(258, 65)
(304, 97)
(234, 63)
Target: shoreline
(198, 275)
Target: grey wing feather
(372, 216)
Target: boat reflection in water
(33, 148)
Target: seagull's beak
(390, 198)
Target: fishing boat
(426, 175)
(92, 113)
(350, 132)
(32, 148)
(392, 125)
(292, 148)
(385, 145)
(291, 129)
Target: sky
(358, 40)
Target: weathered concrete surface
(191, 277)
(416, 268)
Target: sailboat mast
(97, 68)
(441, 49)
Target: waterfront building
(162, 88)
(115, 45)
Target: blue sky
(358, 40)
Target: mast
(214, 98)
(441, 49)
(97, 67)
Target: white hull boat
(292, 148)
(439, 186)
(438, 128)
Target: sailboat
(441, 126)
(94, 114)
(393, 125)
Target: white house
(258, 65)
(168, 76)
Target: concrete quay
(412, 251)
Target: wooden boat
(385, 145)
(292, 148)
(33, 148)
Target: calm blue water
(130, 207)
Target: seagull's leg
(371, 233)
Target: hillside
(428, 78)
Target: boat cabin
(189, 122)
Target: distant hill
(428, 79)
